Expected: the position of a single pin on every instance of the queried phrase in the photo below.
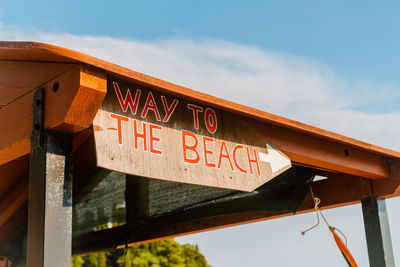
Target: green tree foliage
(165, 253)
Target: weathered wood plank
(50, 193)
(142, 132)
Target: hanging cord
(318, 212)
(339, 242)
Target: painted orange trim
(33, 51)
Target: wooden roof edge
(68, 55)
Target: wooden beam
(320, 153)
(11, 173)
(389, 187)
(17, 220)
(50, 193)
(18, 77)
(13, 200)
(337, 191)
(71, 102)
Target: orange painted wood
(88, 99)
(16, 221)
(18, 78)
(336, 191)
(13, 189)
(15, 129)
(388, 187)
(71, 107)
(11, 173)
(32, 51)
(13, 200)
(324, 154)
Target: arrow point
(276, 159)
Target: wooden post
(137, 202)
(50, 194)
(377, 232)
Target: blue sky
(359, 39)
(332, 64)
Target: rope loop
(318, 212)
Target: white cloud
(295, 87)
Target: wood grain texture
(161, 137)
(88, 98)
(170, 165)
(71, 107)
(18, 78)
(33, 51)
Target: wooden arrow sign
(143, 132)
